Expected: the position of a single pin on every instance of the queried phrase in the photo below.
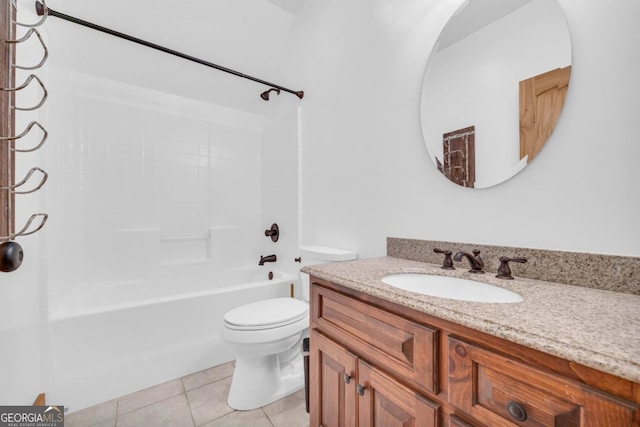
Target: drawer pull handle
(347, 378)
(360, 389)
(517, 411)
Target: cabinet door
(501, 391)
(403, 347)
(332, 376)
(383, 402)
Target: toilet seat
(266, 314)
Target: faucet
(268, 258)
(475, 261)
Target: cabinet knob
(360, 389)
(347, 378)
(517, 411)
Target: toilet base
(258, 381)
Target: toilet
(266, 339)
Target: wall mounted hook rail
(11, 253)
(25, 230)
(45, 134)
(41, 9)
(26, 179)
(26, 37)
(24, 85)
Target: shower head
(265, 95)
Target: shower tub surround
(112, 339)
(160, 204)
(146, 178)
(593, 327)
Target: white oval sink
(451, 288)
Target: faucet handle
(447, 262)
(273, 232)
(504, 272)
(476, 255)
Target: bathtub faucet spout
(268, 258)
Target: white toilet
(266, 337)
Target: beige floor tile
(172, 412)
(289, 412)
(209, 402)
(255, 418)
(208, 376)
(199, 399)
(103, 414)
(106, 423)
(149, 395)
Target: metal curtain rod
(41, 9)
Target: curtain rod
(41, 9)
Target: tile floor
(196, 400)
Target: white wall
(366, 173)
(279, 187)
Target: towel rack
(11, 253)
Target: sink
(451, 288)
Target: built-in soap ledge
(608, 272)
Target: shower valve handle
(273, 232)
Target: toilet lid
(267, 314)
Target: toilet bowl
(266, 339)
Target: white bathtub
(116, 338)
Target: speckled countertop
(593, 327)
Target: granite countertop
(593, 327)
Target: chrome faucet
(268, 258)
(475, 261)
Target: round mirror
(494, 87)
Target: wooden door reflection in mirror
(541, 101)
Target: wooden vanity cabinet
(373, 363)
(332, 383)
(498, 390)
(350, 392)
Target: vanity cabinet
(493, 388)
(376, 363)
(348, 391)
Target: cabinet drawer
(402, 346)
(500, 391)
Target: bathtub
(111, 339)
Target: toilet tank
(315, 254)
